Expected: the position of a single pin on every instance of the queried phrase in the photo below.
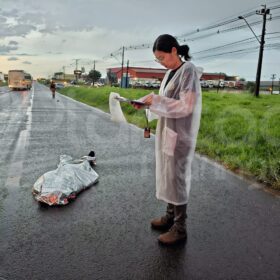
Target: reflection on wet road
(18, 154)
(15, 109)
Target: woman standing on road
(178, 107)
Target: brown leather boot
(165, 222)
(178, 231)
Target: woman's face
(168, 60)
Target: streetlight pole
(264, 12)
(241, 17)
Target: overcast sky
(42, 36)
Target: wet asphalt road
(233, 226)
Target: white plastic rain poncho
(178, 106)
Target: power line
(182, 38)
(226, 22)
(226, 25)
(243, 26)
(275, 7)
(240, 42)
(226, 45)
(229, 52)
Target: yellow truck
(19, 79)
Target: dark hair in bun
(166, 42)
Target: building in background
(60, 76)
(138, 76)
(152, 77)
(213, 76)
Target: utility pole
(93, 72)
(273, 76)
(218, 87)
(264, 12)
(77, 63)
(76, 74)
(126, 80)
(63, 72)
(122, 65)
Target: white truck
(19, 79)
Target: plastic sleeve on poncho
(150, 115)
(173, 108)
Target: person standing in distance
(52, 88)
(178, 109)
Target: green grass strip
(240, 131)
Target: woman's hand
(137, 106)
(147, 100)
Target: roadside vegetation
(240, 131)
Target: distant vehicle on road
(98, 84)
(19, 79)
(210, 83)
(155, 85)
(59, 85)
(240, 84)
(204, 84)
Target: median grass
(240, 131)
